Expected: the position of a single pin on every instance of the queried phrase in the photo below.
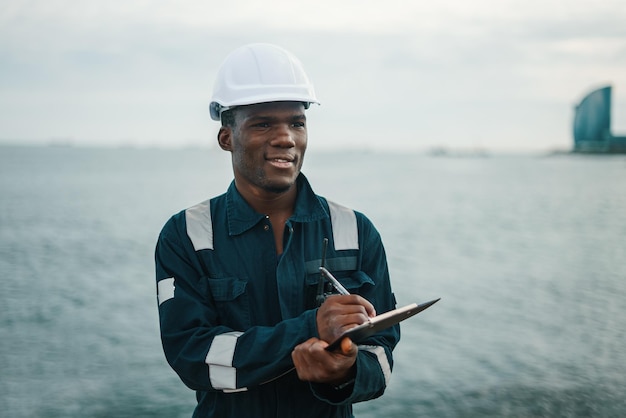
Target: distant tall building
(592, 125)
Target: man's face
(268, 142)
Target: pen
(319, 299)
(342, 290)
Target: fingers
(307, 360)
(371, 311)
(356, 302)
(316, 364)
(340, 313)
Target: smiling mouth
(281, 162)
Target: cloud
(500, 74)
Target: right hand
(339, 313)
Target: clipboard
(381, 322)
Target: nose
(284, 137)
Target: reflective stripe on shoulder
(200, 226)
(220, 361)
(379, 352)
(165, 290)
(345, 231)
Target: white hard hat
(260, 73)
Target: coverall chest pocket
(356, 282)
(231, 302)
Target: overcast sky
(494, 74)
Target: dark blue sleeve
(375, 359)
(206, 355)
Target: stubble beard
(259, 178)
(271, 187)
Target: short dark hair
(228, 118)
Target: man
(244, 319)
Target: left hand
(316, 364)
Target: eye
(262, 125)
(298, 124)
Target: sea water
(527, 252)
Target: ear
(225, 137)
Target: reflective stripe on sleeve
(165, 290)
(200, 226)
(379, 352)
(345, 231)
(220, 360)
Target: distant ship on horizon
(592, 125)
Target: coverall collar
(241, 216)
